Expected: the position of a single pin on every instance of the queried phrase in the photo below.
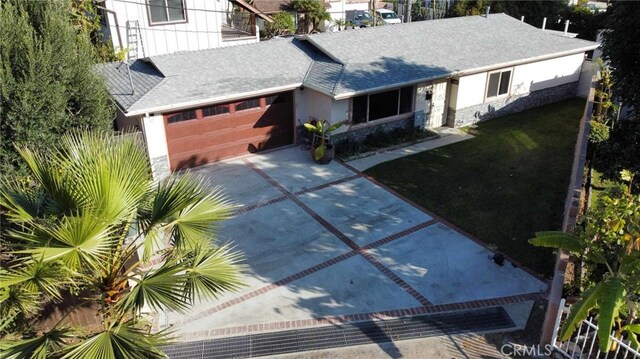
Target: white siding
(201, 31)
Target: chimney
(487, 13)
(566, 27)
(544, 23)
(522, 18)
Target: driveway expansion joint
(381, 267)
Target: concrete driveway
(326, 245)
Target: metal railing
(584, 343)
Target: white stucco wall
(471, 90)
(310, 103)
(544, 74)
(201, 31)
(526, 78)
(156, 140)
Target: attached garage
(213, 133)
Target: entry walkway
(447, 135)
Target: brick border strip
(445, 222)
(351, 318)
(306, 272)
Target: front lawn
(501, 186)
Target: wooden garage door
(213, 133)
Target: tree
(314, 13)
(621, 151)
(282, 24)
(47, 81)
(621, 47)
(88, 227)
(609, 240)
(418, 11)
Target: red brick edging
(350, 318)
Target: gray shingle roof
(350, 62)
(143, 75)
(387, 55)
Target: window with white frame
(498, 83)
(166, 11)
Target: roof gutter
(211, 100)
(463, 73)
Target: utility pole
(372, 4)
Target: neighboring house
(146, 28)
(199, 107)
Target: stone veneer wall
(486, 111)
(361, 133)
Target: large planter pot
(329, 152)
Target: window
(498, 83)
(215, 110)
(247, 104)
(182, 116)
(163, 11)
(381, 105)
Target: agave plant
(608, 237)
(92, 224)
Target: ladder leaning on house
(134, 40)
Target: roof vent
(487, 13)
(544, 23)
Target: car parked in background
(359, 18)
(387, 17)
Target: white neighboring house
(146, 28)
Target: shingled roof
(342, 64)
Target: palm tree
(87, 225)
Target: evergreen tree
(47, 82)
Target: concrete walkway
(326, 245)
(447, 135)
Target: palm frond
(80, 242)
(53, 177)
(610, 302)
(111, 174)
(159, 289)
(21, 203)
(189, 210)
(123, 340)
(580, 310)
(557, 239)
(37, 277)
(42, 347)
(211, 272)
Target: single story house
(203, 106)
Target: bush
(379, 139)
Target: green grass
(501, 186)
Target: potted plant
(322, 150)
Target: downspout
(115, 20)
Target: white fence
(584, 343)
